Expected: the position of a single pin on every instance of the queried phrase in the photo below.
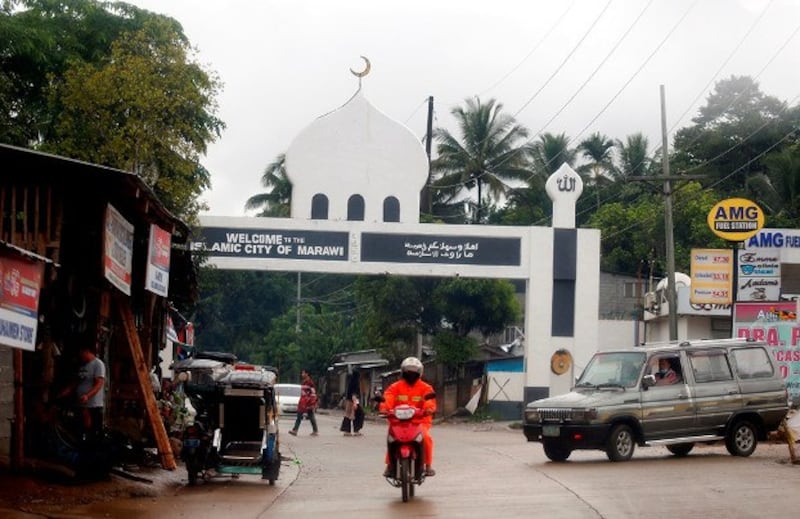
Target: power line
(732, 102)
(719, 181)
(599, 66)
(564, 61)
(535, 47)
(724, 63)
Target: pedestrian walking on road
(353, 419)
(307, 405)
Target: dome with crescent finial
(356, 163)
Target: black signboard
(279, 244)
(445, 250)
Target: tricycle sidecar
(238, 431)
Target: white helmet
(411, 364)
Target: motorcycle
(404, 444)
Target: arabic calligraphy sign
(452, 250)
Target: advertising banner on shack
(20, 284)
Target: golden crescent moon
(367, 67)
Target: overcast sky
(572, 66)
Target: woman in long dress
(353, 419)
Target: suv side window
(710, 366)
(752, 363)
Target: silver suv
(674, 394)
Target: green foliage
(733, 132)
(393, 311)
(549, 152)
(111, 84)
(453, 349)
(486, 305)
(277, 201)
(236, 307)
(308, 340)
(488, 154)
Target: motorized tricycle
(236, 427)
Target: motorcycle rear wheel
(405, 479)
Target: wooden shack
(90, 227)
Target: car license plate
(551, 430)
(191, 443)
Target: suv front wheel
(555, 451)
(741, 439)
(621, 443)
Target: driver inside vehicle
(666, 374)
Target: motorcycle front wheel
(405, 479)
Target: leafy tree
(235, 308)
(277, 200)
(691, 204)
(484, 305)
(488, 154)
(39, 40)
(112, 84)
(394, 310)
(628, 233)
(147, 109)
(778, 189)
(452, 349)
(731, 135)
(309, 343)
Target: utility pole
(427, 198)
(672, 298)
(297, 324)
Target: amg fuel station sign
(735, 219)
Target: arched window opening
(391, 209)
(319, 207)
(355, 208)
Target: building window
(632, 289)
(355, 208)
(319, 207)
(391, 209)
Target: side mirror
(649, 381)
(378, 398)
(429, 396)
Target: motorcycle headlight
(404, 413)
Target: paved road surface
(484, 471)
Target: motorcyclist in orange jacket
(412, 390)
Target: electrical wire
(719, 181)
(597, 68)
(564, 61)
(530, 53)
(608, 104)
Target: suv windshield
(618, 369)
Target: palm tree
(487, 154)
(277, 201)
(598, 150)
(633, 159)
(549, 152)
